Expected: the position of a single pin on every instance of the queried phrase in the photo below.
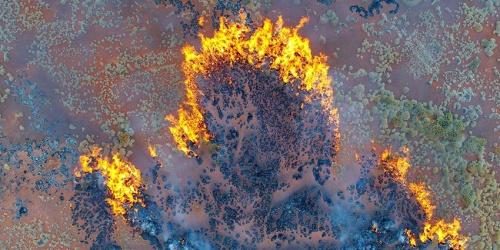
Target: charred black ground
(275, 153)
(265, 146)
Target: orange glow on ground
(280, 48)
(121, 177)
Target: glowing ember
(201, 20)
(281, 48)
(375, 228)
(122, 179)
(397, 166)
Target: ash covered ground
(421, 75)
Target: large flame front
(122, 179)
(283, 49)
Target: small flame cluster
(397, 166)
(152, 151)
(122, 179)
(281, 48)
(441, 230)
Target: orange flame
(423, 197)
(121, 177)
(440, 229)
(282, 48)
(201, 20)
(398, 166)
(411, 237)
(152, 151)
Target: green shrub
(468, 196)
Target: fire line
(280, 48)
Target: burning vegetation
(233, 72)
(395, 165)
(152, 151)
(270, 46)
(121, 178)
(258, 118)
(439, 230)
(246, 74)
(423, 197)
